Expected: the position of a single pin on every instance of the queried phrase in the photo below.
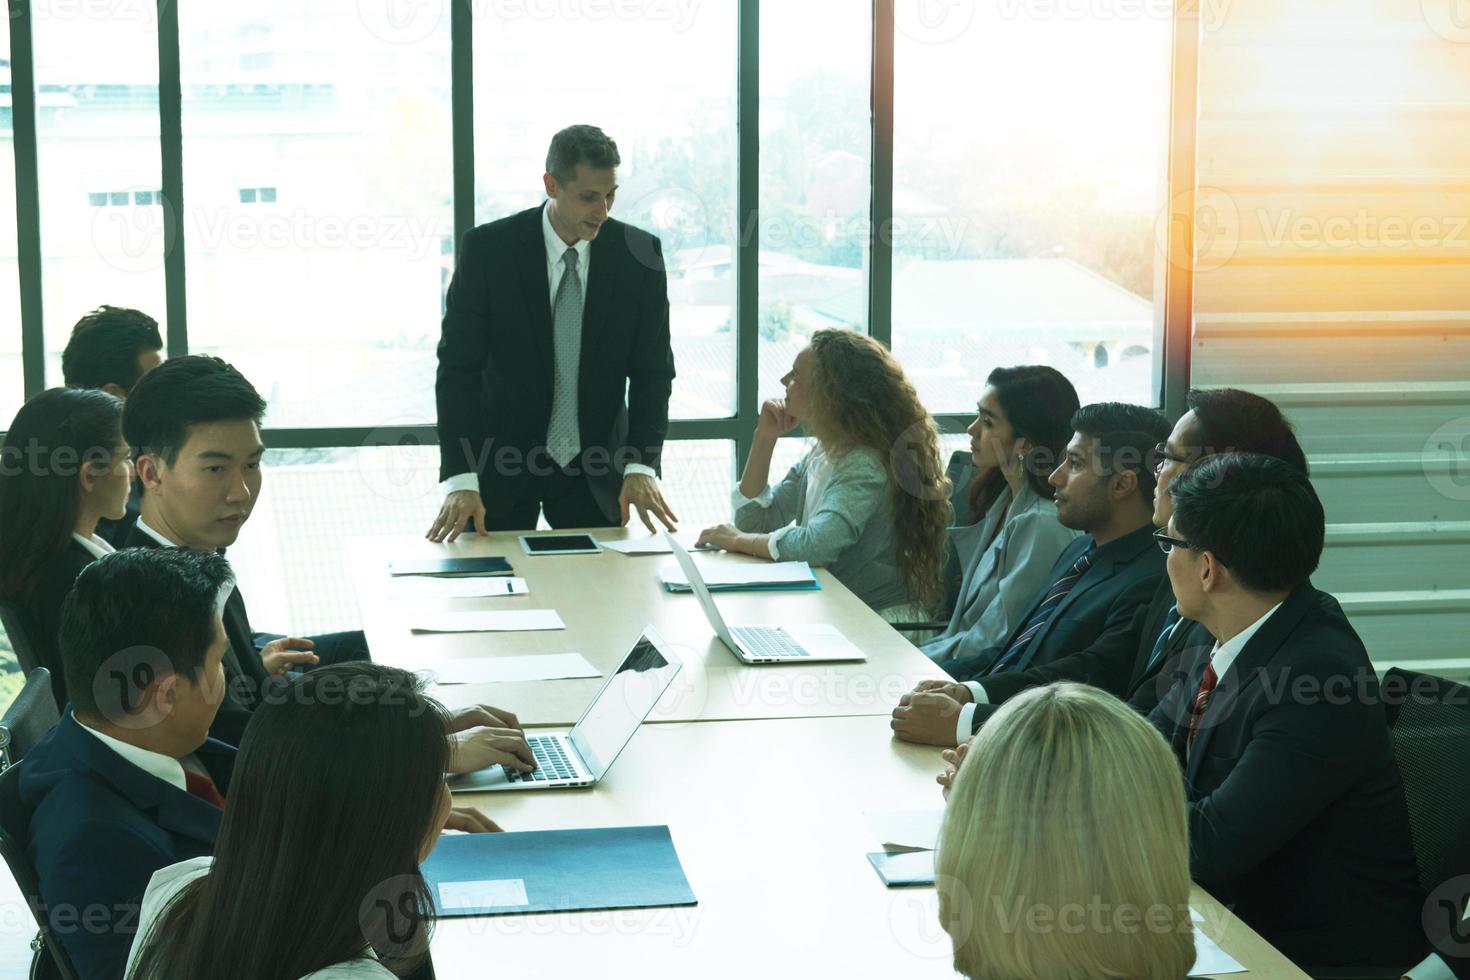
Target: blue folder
(556, 871)
(904, 867)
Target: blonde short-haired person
(1064, 853)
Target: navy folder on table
(556, 871)
(904, 867)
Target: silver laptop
(797, 643)
(584, 755)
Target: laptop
(583, 756)
(797, 643)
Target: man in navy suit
(129, 781)
(1105, 488)
(555, 365)
(1297, 818)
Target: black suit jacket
(494, 384)
(1297, 818)
(99, 828)
(245, 673)
(42, 611)
(1119, 661)
(1122, 577)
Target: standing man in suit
(1297, 817)
(1105, 488)
(1140, 664)
(129, 781)
(553, 315)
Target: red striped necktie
(202, 786)
(1201, 701)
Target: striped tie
(1201, 702)
(1042, 613)
(563, 433)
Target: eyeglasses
(1168, 543)
(1160, 455)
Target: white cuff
(965, 727)
(977, 693)
(461, 481)
(739, 499)
(773, 541)
(638, 469)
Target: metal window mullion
(171, 147)
(747, 242)
(462, 117)
(1174, 317)
(880, 256)
(27, 197)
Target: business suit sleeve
(1303, 753)
(93, 911)
(650, 368)
(776, 506)
(464, 346)
(850, 502)
(1106, 663)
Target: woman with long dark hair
(336, 797)
(64, 467)
(870, 501)
(1018, 438)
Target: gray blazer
(1000, 581)
(850, 531)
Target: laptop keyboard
(551, 762)
(767, 641)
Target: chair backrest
(961, 470)
(30, 716)
(1429, 719)
(15, 830)
(18, 630)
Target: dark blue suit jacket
(99, 828)
(1123, 576)
(1297, 819)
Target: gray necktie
(563, 435)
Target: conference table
(766, 794)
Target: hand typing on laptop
(486, 736)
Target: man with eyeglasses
(1140, 663)
(1297, 817)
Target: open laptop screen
(624, 701)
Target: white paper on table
(906, 830)
(426, 587)
(654, 544)
(481, 621)
(500, 670)
(722, 573)
(1209, 958)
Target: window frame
(1172, 305)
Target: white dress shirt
(555, 269)
(1224, 654)
(155, 764)
(156, 536)
(96, 547)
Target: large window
(103, 224)
(318, 223)
(659, 78)
(815, 176)
(1029, 149)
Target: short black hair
(184, 392)
(580, 144)
(145, 601)
(105, 345)
(1259, 515)
(1231, 420)
(1126, 436)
